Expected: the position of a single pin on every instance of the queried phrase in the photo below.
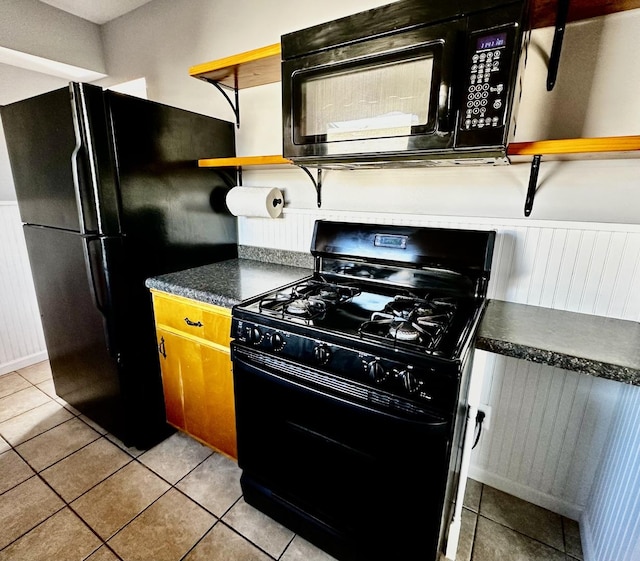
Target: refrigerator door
(78, 327)
(60, 152)
(169, 213)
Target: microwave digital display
(492, 41)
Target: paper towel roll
(255, 201)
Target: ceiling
(23, 75)
(97, 11)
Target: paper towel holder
(317, 181)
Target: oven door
(360, 482)
(384, 96)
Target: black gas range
(351, 387)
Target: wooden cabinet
(193, 342)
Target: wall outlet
(486, 423)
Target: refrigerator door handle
(75, 172)
(100, 286)
(89, 259)
(90, 159)
(80, 155)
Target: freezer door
(62, 160)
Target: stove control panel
(421, 380)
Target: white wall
(35, 28)
(21, 337)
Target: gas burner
(406, 319)
(326, 291)
(403, 331)
(308, 300)
(306, 307)
(422, 309)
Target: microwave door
(393, 102)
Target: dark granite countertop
(227, 283)
(596, 345)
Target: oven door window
(369, 99)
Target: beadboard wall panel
(580, 267)
(611, 521)
(548, 424)
(21, 337)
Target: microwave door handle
(444, 108)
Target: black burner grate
(308, 300)
(411, 321)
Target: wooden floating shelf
(544, 11)
(241, 161)
(252, 68)
(262, 66)
(575, 146)
(578, 146)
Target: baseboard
(534, 496)
(23, 362)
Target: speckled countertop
(228, 282)
(596, 345)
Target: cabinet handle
(161, 348)
(192, 323)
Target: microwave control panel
(486, 94)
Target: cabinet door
(198, 386)
(171, 368)
(211, 415)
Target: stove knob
(276, 341)
(376, 371)
(254, 335)
(322, 354)
(410, 381)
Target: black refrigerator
(110, 194)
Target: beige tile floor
(69, 491)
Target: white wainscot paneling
(610, 525)
(549, 425)
(21, 337)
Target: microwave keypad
(485, 96)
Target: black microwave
(414, 82)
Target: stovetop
(423, 320)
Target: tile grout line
(37, 473)
(67, 504)
(522, 534)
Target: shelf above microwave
(245, 70)
(543, 12)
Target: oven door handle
(434, 423)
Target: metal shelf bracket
(317, 182)
(533, 184)
(235, 104)
(556, 48)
